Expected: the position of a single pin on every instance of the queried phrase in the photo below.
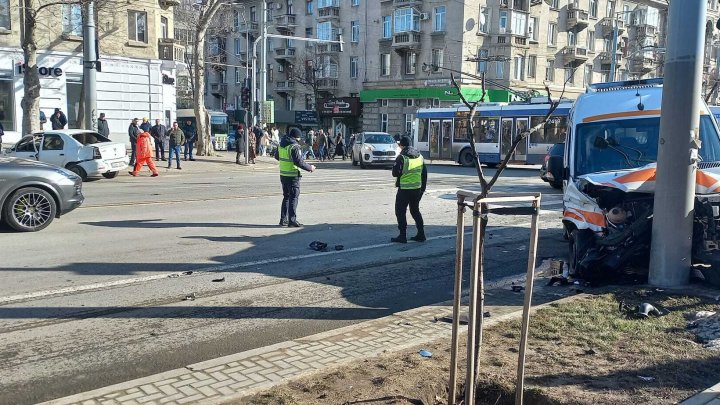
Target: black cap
(295, 133)
(405, 141)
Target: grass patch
(580, 352)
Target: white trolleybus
(441, 133)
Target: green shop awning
(442, 93)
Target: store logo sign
(43, 71)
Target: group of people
(145, 137)
(261, 141)
(323, 146)
(409, 170)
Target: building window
(554, 4)
(137, 26)
(532, 66)
(238, 46)
(355, 31)
(238, 78)
(550, 71)
(499, 69)
(383, 122)
(610, 10)
(519, 23)
(328, 3)
(587, 78)
(552, 34)
(409, 102)
(309, 7)
(593, 8)
(5, 14)
(290, 103)
(503, 21)
(309, 102)
(385, 64)
(482, 60)
(253, 14)
(72, 20)
(519, 68)
(164, 27)
(355, 3)
(572, 38)
(626, 13)
(439, 20)
(591, 41)
(408, 123)
(354, 67)
(387, 26)
(437, 57)
(410, 62)
(406, 19)
(485, 26)
(324, 31)
(533, 25)
(569, 76)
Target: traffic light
(245, 97)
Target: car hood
(642, 179)
(24, 163)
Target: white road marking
(214, 269)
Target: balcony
(168, 49)
(643, 65)
(574, 55)
(607, 26)
(521, 41)
(169, 3)
(285, 53)
(406, 40)
(287, 86)
(407, 3)
(327, 48)
(605, 58)
(328, 13)
(217, 61)
(577, 19)
(644, 30)
(252, 28)
(285, 22)
(218, 89)
(328, 84)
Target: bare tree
(313, 73)
(206, 19)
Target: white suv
(84, 153)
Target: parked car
(34, 193)
(84, 153)
(552, 168)
(374, 148)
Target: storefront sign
(341, 106)
(268, 111)
(43, 71)
(306, 117)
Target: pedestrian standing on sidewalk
(309, 143)
(145, 126)
(251, 146)
(264, 143)
(58, 119)
(190, 138)
(322, 145)
(133, 132)
(103, 128)
(239, 142)
(176, 138)
(159, 134)
(144, 155)
(411, 174)
(289, 154)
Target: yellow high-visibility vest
(287, 166)
(411, 178)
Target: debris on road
(425, 353)
(173, 276)
(339, 247)
(319, 246)
(644, 378)
(186, 273)
(218, 280)
(642, 311)
(190, 297)
(517, 288)
(706, 326)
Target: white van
(609, 176)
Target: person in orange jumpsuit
(144, 155)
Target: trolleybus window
(553, 132)
(485, 130)
(423, 130)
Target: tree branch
(471, 133)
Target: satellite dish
(469, 24)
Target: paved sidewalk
(710, 396)
(235, 376)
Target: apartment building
(382, 77)
(138, 70)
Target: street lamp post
(246, 82)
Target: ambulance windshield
(630, 143)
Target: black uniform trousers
(403, 199)
(291, 195)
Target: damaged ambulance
(610, 156)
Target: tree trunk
(204, 146)
(31, 79)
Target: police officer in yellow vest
(411, 174)
(289, 154)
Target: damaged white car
(611, 152)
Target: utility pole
(263, 61)
(613, 56)
(671, 252)
(90, 61)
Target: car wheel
(110, 175)
(79, 171)
(30, 209)
(363, 165)
(467, 158)
(580, 242)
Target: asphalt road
(99, 296)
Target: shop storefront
(340, 115)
